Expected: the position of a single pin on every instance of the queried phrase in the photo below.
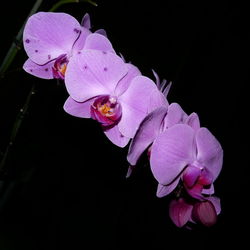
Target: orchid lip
(60, 66)
(106, 110)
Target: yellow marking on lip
(105, 110)
(63, 68)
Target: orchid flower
(187, 152)
(105, 88)
(205, 212)
(152, 125)
(179, 149)
(51, 39)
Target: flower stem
(17, 43)
(62, 2)
(19, 118)
(15, 46)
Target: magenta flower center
(60, 66)
(106, 110)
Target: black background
(65, 183)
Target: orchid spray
(185, 158)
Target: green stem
(17, 125)
(62, 2)
(17, 44)
(91, 2)
(5, 65)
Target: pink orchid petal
(85, 32)
(156, 100)
(98, 42)
(193, 121)
(101, 32)
(210, 152)
(80, 42)
(48, 35)
(78, 109)
(171, 152)
(216, 202)
(208, 191)
(86, 23)
(42, 71)
(180, 212)
(135, 103)
(205, 213)
(146, 133)
(175, 115)
(130, 120)
(124, 83)
(167, 189)
(92, 73)
(116, 137)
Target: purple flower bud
(205, 213)
(184, 210)
(180, 212)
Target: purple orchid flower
(51, 39)
(105, 88)
(153, 124)
(189, 153)
(205, 212)
(180, 150)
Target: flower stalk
(16, 126)
(17, 43)
(10, 56)
(60, 3)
